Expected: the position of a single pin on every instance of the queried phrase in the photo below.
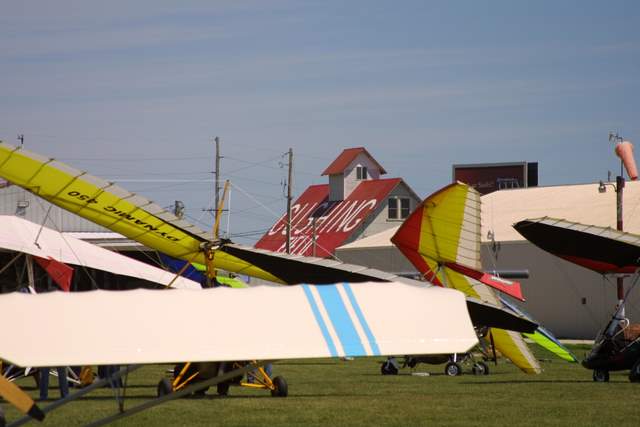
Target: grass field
(327, 392)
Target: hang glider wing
(443, 233)
(115, 208)
(601, 249)
(542, 336)
(301, 269)
(297, 269)
(20, 235)
(361, 319)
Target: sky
(135, 92)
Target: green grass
(332, 392)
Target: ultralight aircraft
(338, 309)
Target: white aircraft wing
(20, 235)
(220, 324)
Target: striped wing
(442, 240)
(444, 233)
(362, 319)
(445, 228)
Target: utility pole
(217, 179)
(290, 164)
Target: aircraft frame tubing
(183, 392)
(73, 396)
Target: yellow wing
(115, 208)
(442, 239)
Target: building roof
(336, 221)
(346, 157)
(581, 203)
(378, 240)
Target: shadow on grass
(532, 382)
(307, 363)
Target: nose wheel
(601, 375)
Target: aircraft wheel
(223, 388)
(634, 373)
(165, 387)
(452, 369)
(480, 368)
(387, 368)
(281, 388)
(601, 375)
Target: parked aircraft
(348, 315)
(607, 252)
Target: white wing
(260, 323)
(20, 235)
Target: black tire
(634, 373)
(387, 368)
(165, 387)
(452, 369)
(223, 388)
(601, 375)
(281, 388)
(480, 368)
(486, 368)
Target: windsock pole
(624, 150)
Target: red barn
(355, 203)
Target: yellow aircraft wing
(441, 238)
(115, 208)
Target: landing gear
(280, 387)
(452, 369)
(389, 367)
(480, 368)
(601, 375)
(165, 387)
(223, 388)
(634, 373)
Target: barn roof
(346, 157)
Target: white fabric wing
(17, 234)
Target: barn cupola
(351, 167)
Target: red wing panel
(60, 272)
(506, 286)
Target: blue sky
(136, 91)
